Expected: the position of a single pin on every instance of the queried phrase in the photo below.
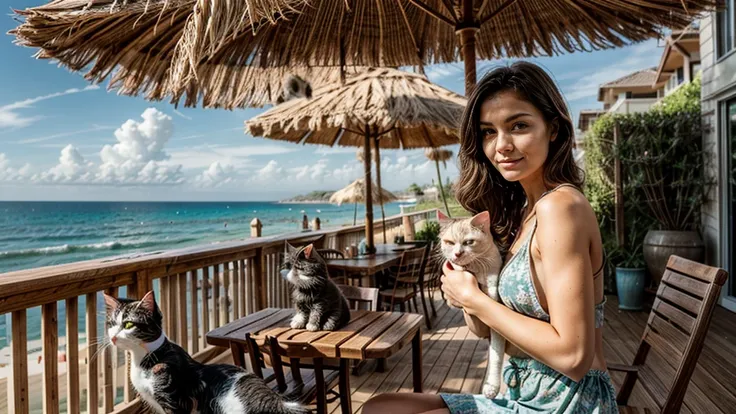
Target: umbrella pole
(368, 192)
(467, 29)
(442, 191)
(355, 214)
(380, 189)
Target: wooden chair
(308, 385)
(327, 254)
(676, 329)
(408, 282)
(360, 297)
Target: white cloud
(63, 134)
(271, 172)
(314, 172)
(202, 156)
(182, 115)
(8, 173)
(587, 85)
(444, 71)
(72, 167)
(10, 118)
(216, 175)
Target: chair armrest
(623, 368)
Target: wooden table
(369, 335)
(386, 256)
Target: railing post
(258, 277)
(256, 228)
(316, 224)
(408, 225)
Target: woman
(516, 162)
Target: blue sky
(64, 139)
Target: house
(680, 60)
(718, 94)
(632, 93)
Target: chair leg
(402, 306)
(431, 302)
(424, 306)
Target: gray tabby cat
(468, 245)
(294, 87)
(320, 304)
(170, 381)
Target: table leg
(319, 378)
(344, 387)
(416, 359)
(237, 352)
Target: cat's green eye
(469, 242)
(449, 242)
(128, 325)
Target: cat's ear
(289, 248)
(482, 220)
(309, 251)
(111, 303)
(443, 219)
(148, 302)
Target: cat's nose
(458, 254)
(114, 340)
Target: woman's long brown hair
(480, 186)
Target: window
(730, 132)
(680, 75)
(725, 35)
(641, 95)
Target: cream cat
(468, 245)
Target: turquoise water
(35, 234)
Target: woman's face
(515, 136)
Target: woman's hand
(460, 287)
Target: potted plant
(663, 155)
(631, 276)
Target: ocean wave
(70, 248)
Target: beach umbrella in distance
(133, 43)
(439, 155)
(355, 193)
(382, 107)
(375, 152)
(419, 32)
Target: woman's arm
(567, 342)
(475, 325)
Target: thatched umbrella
(134, 42)
(416, 32)
(437, 155)
(355, 193)
(383, 107)
(207, 48)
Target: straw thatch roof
(405, 107)
(355, 193)
(133, 44)
(411, 32)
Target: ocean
(36, 234)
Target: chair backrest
(359, 297)
(679, 321)
(411, 267)
(330, 254)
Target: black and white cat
(170, 381)
(468, 244)
(320, 304)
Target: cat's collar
(155, 345)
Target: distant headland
(314, 197)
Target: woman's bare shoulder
(566, 209)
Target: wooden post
(256, 228)
(258, 273)
(619, 192)
(408, 225)
(368, 193)
(316, 224)
(378, 183)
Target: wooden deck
(455, 361)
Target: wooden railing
(197, 288)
